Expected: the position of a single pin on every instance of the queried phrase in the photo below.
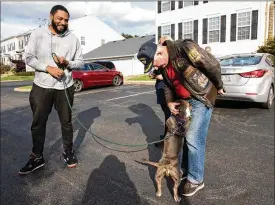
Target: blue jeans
(193, 153)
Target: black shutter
(180, 31)
(172, 5)
(196, 3)
(254, 26)
(233, 27)
(180, 4)
(204, 31)
(159, 32)
(205, 2)
(173, 31)
(159, 6)
(195, 30)
(223, 28)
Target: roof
(20, 34)
(119, 48)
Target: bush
(268, 47)
(5, 69)
(25, 74)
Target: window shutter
(233, 27)
(173, 31)
(180, 4)
(204, 31)
(223, 28)
(159, 6)
(172, 5)
(196, 3)
(159, 32)
(195, 30)
(254, 26)
(180, 31)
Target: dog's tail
(155, 164)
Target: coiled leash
(55, 58)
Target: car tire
(270, 98)
(78, 85)
(117, 80)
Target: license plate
(226, 78)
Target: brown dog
(169, 164)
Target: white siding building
(227, 27)
(90, 30)
(122, 54)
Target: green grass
(13, 77)
(141, 78)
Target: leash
(88, 130)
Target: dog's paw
(158, 194)
(177, 198)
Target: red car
(93, 74)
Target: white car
(248, 77)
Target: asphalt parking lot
(239, 154)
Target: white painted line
(127, 96)
(103, 90)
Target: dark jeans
(167, 114)
(41, 102)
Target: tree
(128, 35)
(268, 47)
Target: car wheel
(78, 85)
(269, 102)
(117, 80)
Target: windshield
(241, 61)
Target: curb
(18, 89)
(140, 82)
(22, 90)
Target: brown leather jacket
(175, 49)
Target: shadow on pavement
(110, 184)
(86, 117)
(150, 124)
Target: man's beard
(56, 29)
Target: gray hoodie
(42, 44)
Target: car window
(241, 61)
(270, 59)
(85, 67)
(96, 67)
(107, 64)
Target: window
(214, 29)
(188, 3)
(165, 6)
(13, 46)
(241, 61)
(244, 23)
(82, 40)
(166, 30)
(188, 30)
(86, 67)
(96, 67)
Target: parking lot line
(103, 90)
(127, 96)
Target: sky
(135, 18)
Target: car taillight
(254, 74)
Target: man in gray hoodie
(48, 88)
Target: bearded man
(48, 88)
